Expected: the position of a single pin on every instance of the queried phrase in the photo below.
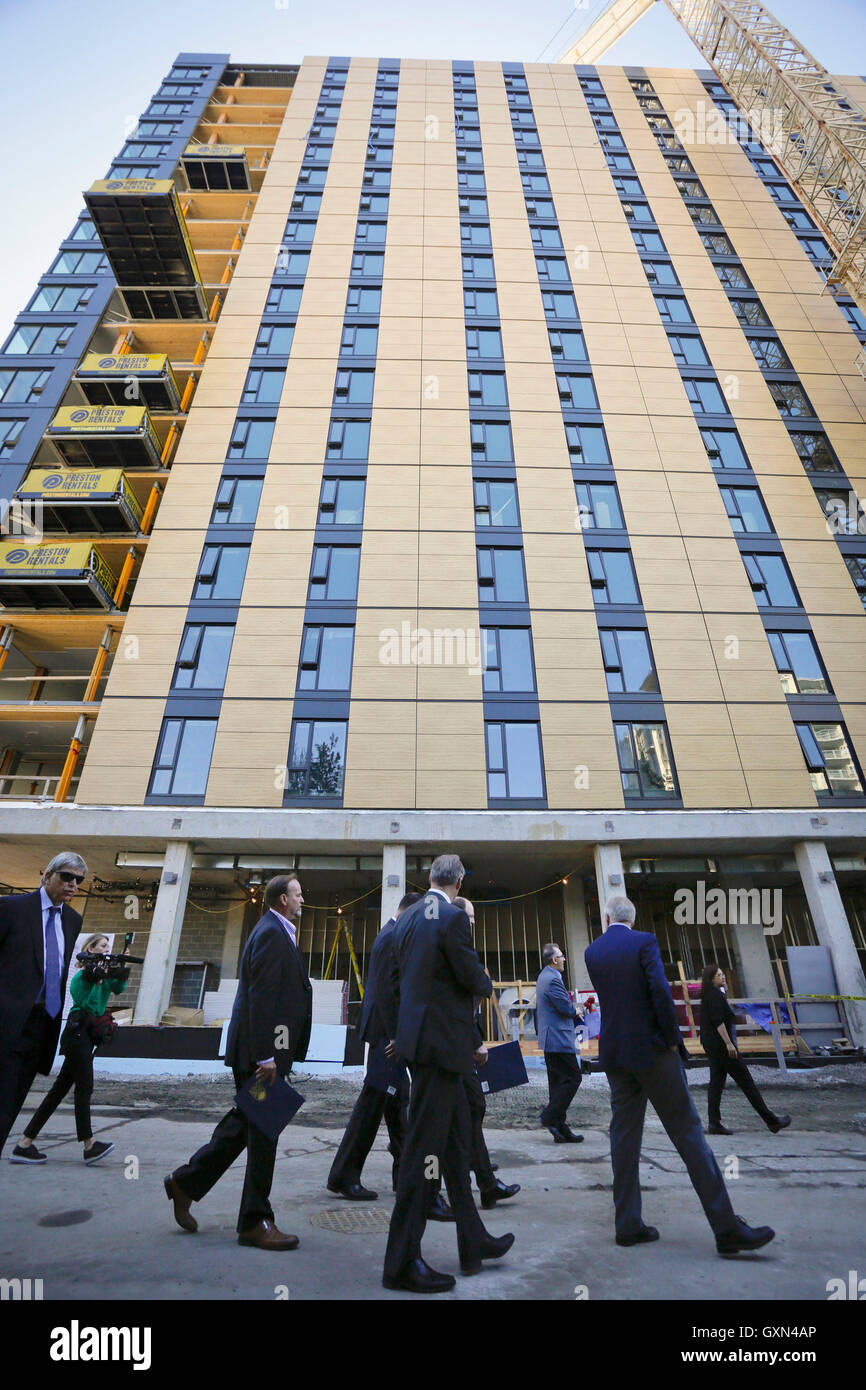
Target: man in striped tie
(37, 935)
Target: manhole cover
(65, 1218)
(352, 1221)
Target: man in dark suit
(642, 1052)
(437, 974)
(268, 1032)
(37, 933)
(378, 1006)
(555, 1019)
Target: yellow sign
(214, 151)
(129, 364)
(121, 186)
(98, 419)
(72, 483)
(74, 558)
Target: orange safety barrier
(150, 509)
(125, 573)
(98, 664)
(71, 762)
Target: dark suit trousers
(479, 1156)
(723, 1066)
(438, 1138)
(19, 1063)
(664, 1086)
(232, 1135)
(361, 1131)
(563, 1079)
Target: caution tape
(829, 998)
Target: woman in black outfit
(719, 1041)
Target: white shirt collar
(441, 894)
(289, 926)
(46, 902)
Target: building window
(487, 388)
(514, 762)
(251, 439)
(40, 339)
(705, 396)
(491, 441)
(495, 503)
(341, 502)
(359, 341)
(832, 769)
(705, 216)
(733, 277)
(221, 572)
(507, 660)
(83, 231)
(183, 757)
(612, 576)
(284, 299)
(770, 355)
(843, 511)
(558, 305)
(546, 238)
(750, 313)
(299, 233)
(790, 398)
(660, 273)
(263, 386)
(771, 581)
(371, 233)
(363, 300)
(10, 432)
(481, 304)
(317, 758)
(237, 501)
(348, 439)
(815, 452)
(274, 340)
(724, 449)
(60, 299)
(334, 573)
(370, 263)
(798, 663)
(307, 203)
(628, 663)
(598, 506)
(856, 566)
(644, 760)
(587, 445)
(501, 578)
(477, 267)
(79, 263)
(567, 345)
(647, 241)
(854, 316)
(746, 511)
(717, 243)
(688, 350)
(326, 658)
(353, 387)
(483, 342)
(576, 391)
(203, 658)
(636, 211)
(23, 387)
(551, 267)
(673, 308)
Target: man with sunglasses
(38, 932)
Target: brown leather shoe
(182, 1214)
(266, 1236)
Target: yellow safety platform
(102, 435)
(216, 166)
(129, 379)
(77, 500)
(70, 576)
(145, 238)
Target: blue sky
(77, 75)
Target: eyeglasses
(70, 878)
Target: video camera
(110, 966)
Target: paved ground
(103, 1232)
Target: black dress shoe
(418, 1277)
(439, 1209)
(641, 1237)
(354, 1192)
(564, 1135)
(718, 1129)
(492, 1248)
(182, 1214)
(778, 1122)
(500, 1192)
(743, 1237)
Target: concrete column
(393, 879)
(231, 958)
(833, 929)
(757, 980)
(608, 873)
(161, 954)
(576, 932)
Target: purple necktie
(52, 966)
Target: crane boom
(818, 134)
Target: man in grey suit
(555, 1016)
(640, 1048)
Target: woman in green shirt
(90, 1000)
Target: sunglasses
(70, 878)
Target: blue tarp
(760, 1014)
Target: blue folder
(269, 1108)
(385, 1073)
(503, 1069)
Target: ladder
(342, 925)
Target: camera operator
(88, 1024)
